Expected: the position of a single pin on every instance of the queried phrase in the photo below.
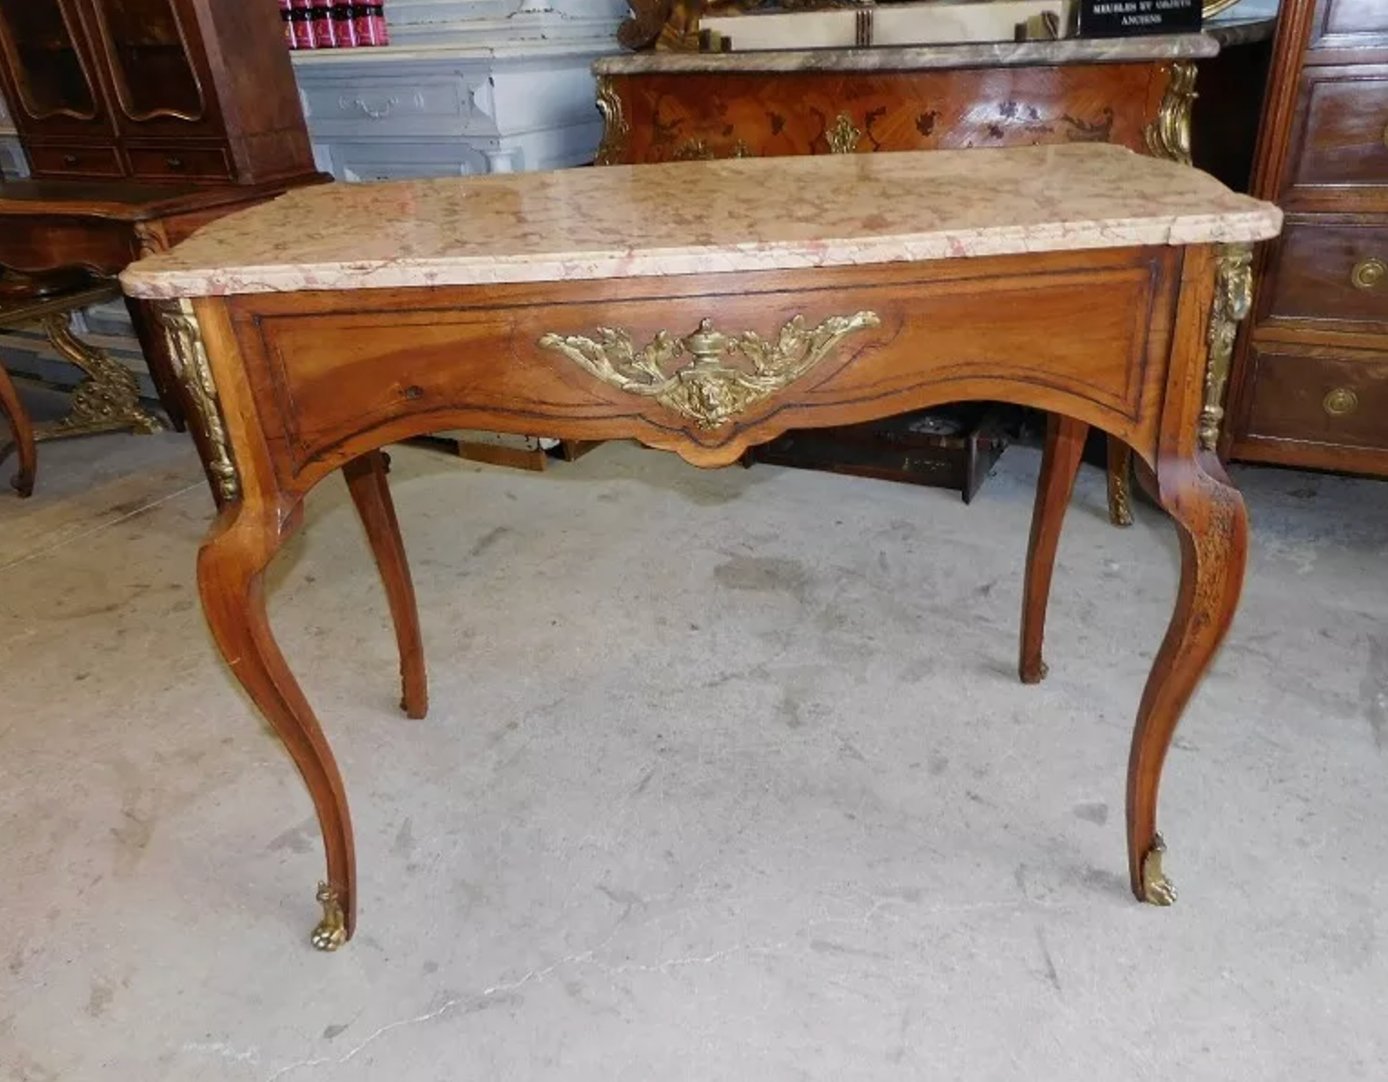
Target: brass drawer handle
(1368, 273)
(1340, 402)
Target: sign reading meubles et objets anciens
(1119, 18)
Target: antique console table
(1099, 285)
(100, 227)
(1138, 92)
(106, 400)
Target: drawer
(1331, 272)
(1320, 396)
(425, 104)
(1344, 115)
(179, 160)
(75, 161)
(1348, 22)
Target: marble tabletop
(704, 217)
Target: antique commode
(563, 302)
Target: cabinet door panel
(156, 67)
(50, 69)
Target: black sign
(1120, 18)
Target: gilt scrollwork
(843, 136)
(615, 127)
(107, 398)
(194, 372)
(705, 388)
(1232, 300)
(1168, 136)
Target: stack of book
(331, 24)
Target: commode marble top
(704, 217)
(1223, 32)
(981, 54)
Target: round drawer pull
(1340, 401)
(70, 159)
(1368, 273)
(177, 163)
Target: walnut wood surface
(366, 481)
(1323, 154)
(1060, 463)
(316, 381)
(21, 435)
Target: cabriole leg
(1060, 462)
(1213, 530)
(22, 431)
(366, 481)
(231, 566)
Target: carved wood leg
(366, 481)
(22, 432)
(1060, 462)
(1120, 472)
(1213, 529)
(231, 565)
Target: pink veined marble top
(704, 217)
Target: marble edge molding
(1235, 31)
(1256, 224)
(912, 57)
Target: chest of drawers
(1311, 381)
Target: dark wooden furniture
(893, 282)
(142, 120)
(106, 400)
(102, 227)
(21, 435)
(1136, 92)
(1311, 377)
(197, 91)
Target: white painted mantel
(466, 86)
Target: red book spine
(323, 24)
(302, 22)
(345, 25)
(371, 25)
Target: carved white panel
(492, 91)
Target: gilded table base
(106, 400)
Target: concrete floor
(728, 776)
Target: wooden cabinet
(1310, 384)
(194, 90)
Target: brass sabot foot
(1156, 888)
(331, 931)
